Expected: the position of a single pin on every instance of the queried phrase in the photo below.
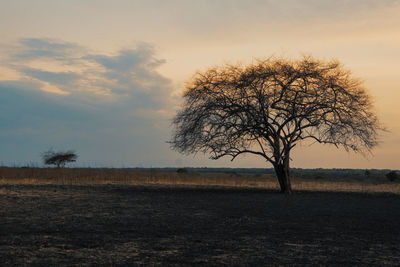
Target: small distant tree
(59, 158)
(182, 170)
(392, 176)
(267, 108)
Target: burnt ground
(47, 225)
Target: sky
(105, 78)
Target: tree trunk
(283, 175)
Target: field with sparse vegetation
(315, 180)
(114, 217)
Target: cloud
(135, 69)
(117, 109)
(128, 74)
(57, 78)
(32, 48)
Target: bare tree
(59, 158)
(268, 107)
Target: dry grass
(87, 176)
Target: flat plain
(188, 225)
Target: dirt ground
(61, 225)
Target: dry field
(87, 176)
(93, 219)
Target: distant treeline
(295, 172)
(318, 173)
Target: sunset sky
(105, 77)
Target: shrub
(392, 176)
(182, 170)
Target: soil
(112, 225)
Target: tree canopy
(60, 158)
(266, 108)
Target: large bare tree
(268, 107)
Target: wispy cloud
(32, 48)
(56, 78)
(74, 70)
